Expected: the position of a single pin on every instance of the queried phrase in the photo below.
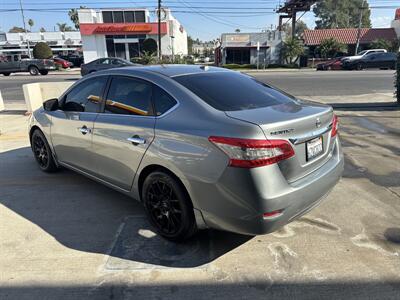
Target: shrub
(42, 51)
(331, 47)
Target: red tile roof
(348, 35)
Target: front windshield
(362, 52)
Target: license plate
(314, 148)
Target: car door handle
(136, 140)
(84, 130)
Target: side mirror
(51, 104)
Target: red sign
(397, 14)
(122, 28)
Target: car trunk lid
(298, 122)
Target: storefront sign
(237, 38)
(126, 28)
(122, 28)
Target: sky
(203, 19)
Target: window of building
(129, 16)
(162, 101)
(140, 17)
(129, 96)
(118, 17)
(107, 17)
(85, 97)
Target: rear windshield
(231, 91)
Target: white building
(396, 23)
(59, 42)
(121, 33)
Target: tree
(31, 23)
(16, 29)
(292, 49)
(42, 29)
(73, 15)
(381, 43)
(190, 45)
(150, 46)
(341, 14)
(330, 47)
(64, 27)
(42, 51)
(300, 27)
(237, 30)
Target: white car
(364, 53)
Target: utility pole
(26, 36)
(359, 27)
(159, 31)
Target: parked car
(372, 60)
(14, 64)
(76, 60)
(198, 146)
(363, 54)
(103, 64)
(62, 63)
(333, 64)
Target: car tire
(329, 68)
(44, 72)
(42, 152)
(359, 67)
(168, 207)
(33, 70)
(6, 74)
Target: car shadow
(84, 215)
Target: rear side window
(163, 102)
(129, 96)
(85, 97)
(231, 91)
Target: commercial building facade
(261, 48)
(121, 33)
(347, 36)
(59, 42)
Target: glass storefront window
(126, 50)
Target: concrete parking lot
(64, 236)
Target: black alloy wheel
(168, 207)
(42, 152)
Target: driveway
(64, 236)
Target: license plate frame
(314, 148)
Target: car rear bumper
(241, 196)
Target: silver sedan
(200, 147)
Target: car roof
(173, 70)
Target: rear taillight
(335, 126)
(248, 153)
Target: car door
(72, 125)
(369, 61)
(124, 131)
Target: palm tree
(31, 23)
(64, 27)
(292, 49)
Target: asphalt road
(298, 83)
